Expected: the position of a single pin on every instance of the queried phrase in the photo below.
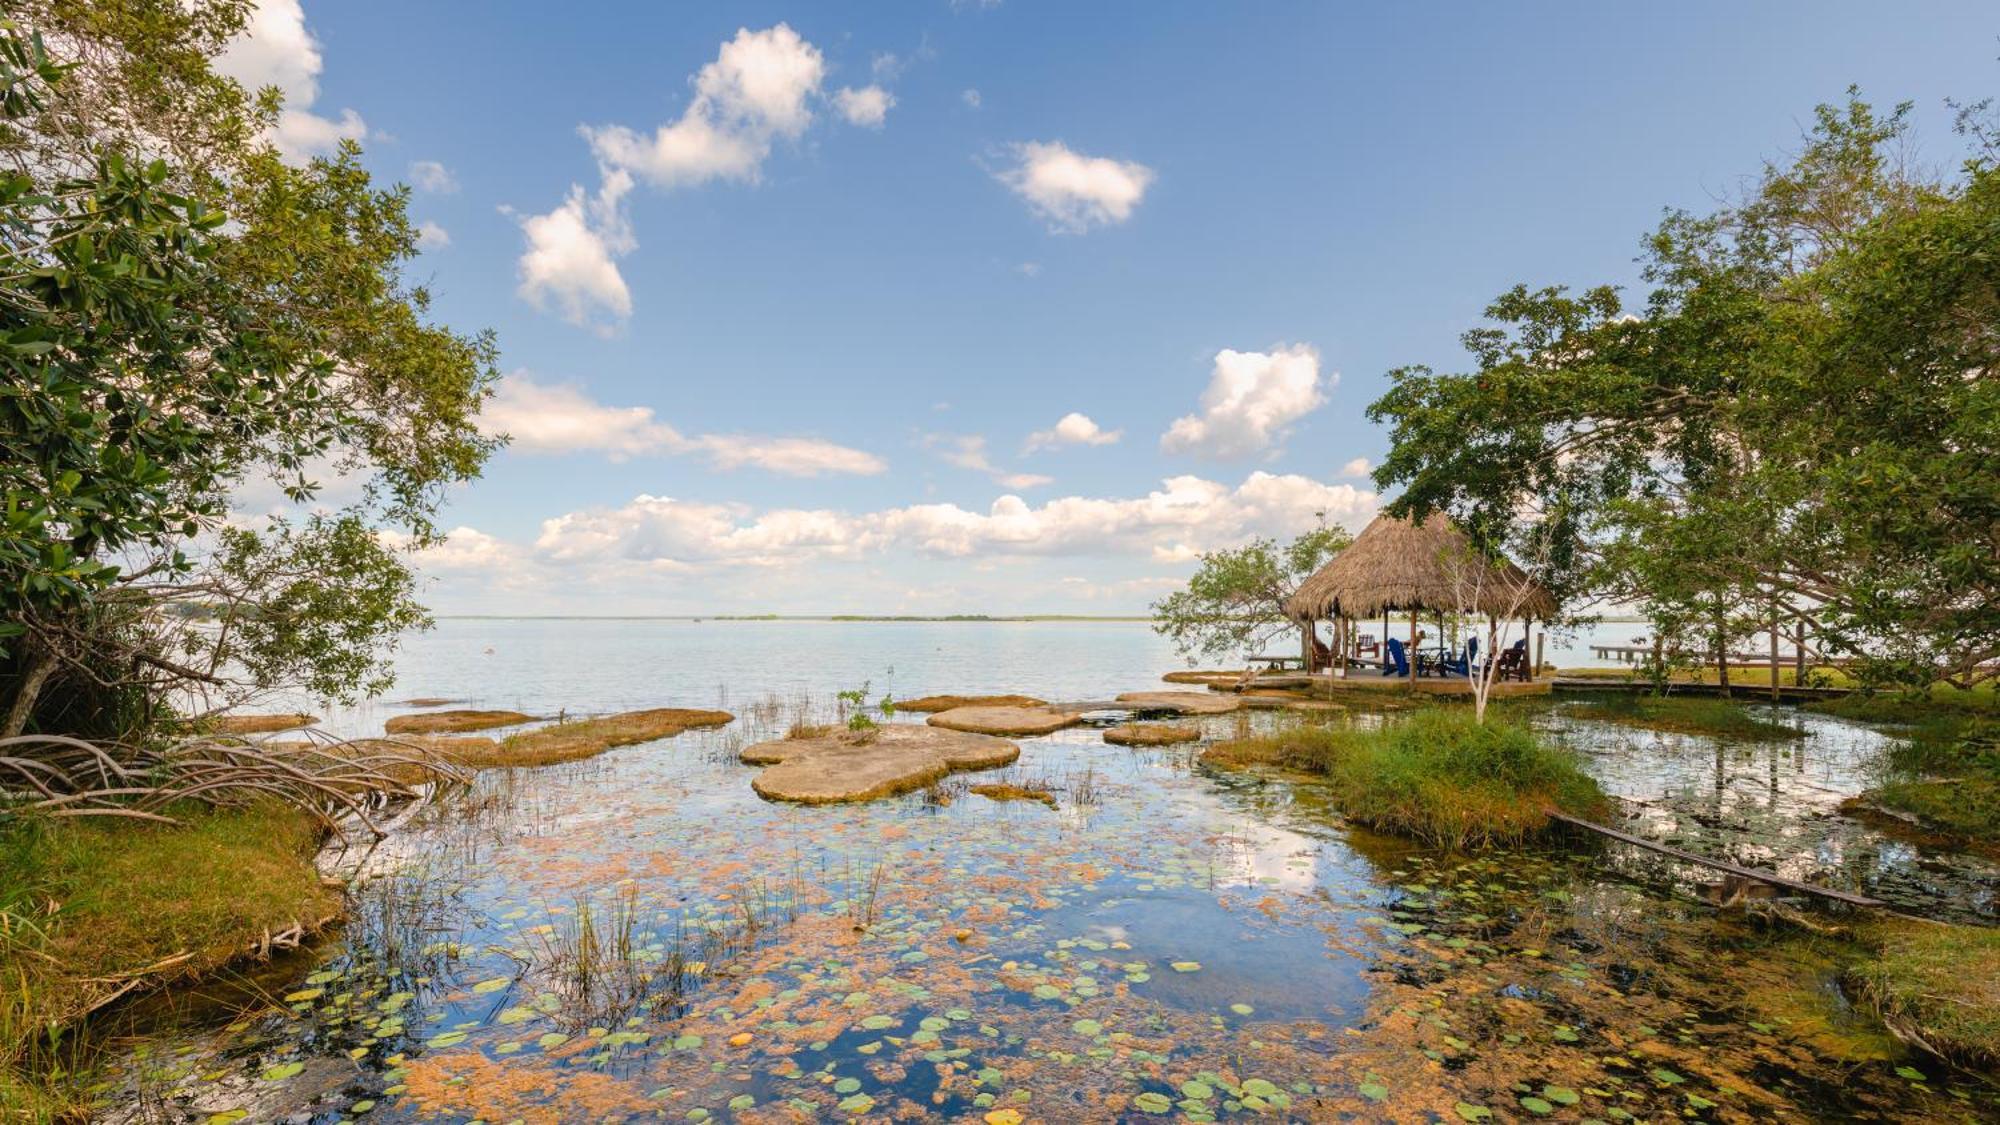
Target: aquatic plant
(1436, 776)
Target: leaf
(1537, 1106)
(1153, 1101)
(492, 984)
(282, 1071)
(1469, 1112)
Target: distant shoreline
(946, 619)
(980, 618)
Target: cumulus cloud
(867, 107)
(971, 98)
(1252, 400)
(1073, 192)
(1072, 429)
(571, 261)
(1357, 468)
(431, 176)
(968, 451)
(1185, 516)
(275, 48)
(432, 236)
(761, 87)
(562, 418)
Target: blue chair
(1464, 665)
(1396, 662)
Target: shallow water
(1166, 942)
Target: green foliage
(853, 705)
(1234, 603)
(1800, 420)
(174, 329)
(1438, 775)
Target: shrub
(1437, 776)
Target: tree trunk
(30, 689)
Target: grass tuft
(1436, 776)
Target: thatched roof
(1398, 565)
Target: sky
(1007, 307)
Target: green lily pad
(1152, 1102)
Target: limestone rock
(1182, 702)
(862, 766)
(1018, 721)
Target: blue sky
(785, 291)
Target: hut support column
(1413, 644)
(1541, 637)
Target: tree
(1235, 601)
(171, 331)
(1802, 420)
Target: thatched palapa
(1397, 565)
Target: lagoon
(639, 937)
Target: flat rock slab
(856, 767)
(1181, 702)
(1152, 734)
(931, 704)
(1019, 721)
(454, 722)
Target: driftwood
(1772, 878)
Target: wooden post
(1799, 652)
(1306, 630)
(1774, 654)
(1539, 639)
(1413, 646)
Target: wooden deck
(1376, 683)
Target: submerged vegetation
(454, 722)
(1945, 778)
(1436, 776)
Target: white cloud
(968, 451)
(886, 66)
(1357, 468)
(971, 98)
(1029, 269)
(561, 418)
(275, 48)
(1072, 429)
(431, 176)
(867, 107)
(1251, 402)
(1074, 192)
(1184, 517)
(571, 260)
(759, 88)
(432, 236)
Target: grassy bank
(1685, 715)
(569, 742)
(91, 909)
(1945, 778)
(1938, 986)
(1436, 776)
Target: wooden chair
(1514, 662)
